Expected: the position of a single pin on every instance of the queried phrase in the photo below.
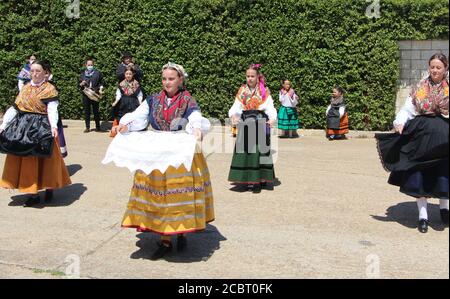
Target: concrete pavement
(331, 215)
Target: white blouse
(287, 101)
(138, 120)
(341, 111)
(267, 107)
(406, 113)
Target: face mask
(90, 68)
(31, 61)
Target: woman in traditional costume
(24, 75)
(337, 116)
(29, 136)
(254, 114)
(288, 115)
(417, 155)
(128, 97)
(180, 200)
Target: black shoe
(98, 130)
(181, 243)
(256, 188)
(267, 186)
(86, 130)
(161, 251)
(48, 195)
(444, 216)
(32, 200)
(423, 226)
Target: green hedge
(316, 44)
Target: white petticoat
(148, 151)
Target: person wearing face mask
(178, 200)
(254, 114)
(24, 75)
(29, 137)
(127, 61)
(417, 154)
(93, 79)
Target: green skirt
(288, 118)
(252, 161)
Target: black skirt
(126, 105)
(418, 158)
(28, 134)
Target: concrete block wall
(414, 57)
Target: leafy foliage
(316, 44)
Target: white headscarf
(178, 68)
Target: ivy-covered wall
(314, 43)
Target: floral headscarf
(430, 98)
(129, 88)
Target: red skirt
(343, 127)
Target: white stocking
(422, 205)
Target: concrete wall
(414, 56)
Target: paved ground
(331, 215)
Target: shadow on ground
(406, 214)
(61, 197)
(201, 246)
(73, 168)
(106, 125)
(241, 188)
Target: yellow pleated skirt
(175, 202)
(31, 174)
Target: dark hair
(33, 54)
(440, 57)
(340, 89)
(284, 81)
(45, 65)
(89, 59)
(126, 55)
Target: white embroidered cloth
(149, 150)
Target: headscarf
(129, 88)
(430, 98)
(163, 114)
(337, 101)
(178, 68)
(261, 79)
